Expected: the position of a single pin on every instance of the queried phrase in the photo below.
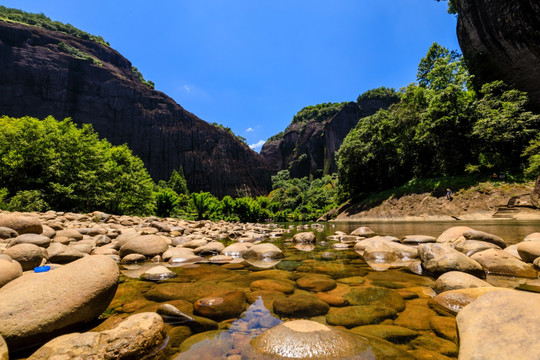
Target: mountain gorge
(47, 72)
(309, 143)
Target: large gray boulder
(39, 306)
(502, 324)
(134, 338)
(440, 258)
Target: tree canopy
(50, 164)
(440, 127)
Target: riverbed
(420, 331)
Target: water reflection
(235, 340)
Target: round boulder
(500, 262)
(503, 324)
(22, 224)
(454, 280)
(9, 270)
(529, 250)
(36, 239)
(300, 306)
(263, 251)
(39, 306)
(484, 236)
(7, 233)
(452, 234)
(28, 255)
(147, 245)
(158, 273)
(222, 306)
(4, 352)
(440, 258)
(136, 337)
(305, 339)
(363, 231)
(304, 237)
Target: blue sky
(252, 64)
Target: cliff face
(309, 149)
(500, 40)
(39, 79)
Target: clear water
(198, 281)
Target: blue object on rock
(42, 269)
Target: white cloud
(258, 145)
(249, 130)
(187, 88)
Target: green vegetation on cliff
(439, 128)
(78, 53)
(317, 113)
(44, 22)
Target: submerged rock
(304, 339)
(353, 316)
(222, 306)
(300, 306)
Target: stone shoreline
(384, 314)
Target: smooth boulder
(440, 258)
(503, 324)
(147, 245)
(9, 270)
(28, 255)
(500, 262)
(136, 337)
(305, 339)
(454, 280)
(38, 306)
(22, 224)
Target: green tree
(177, 182)
(71, 168)
(503, 128)
(202, 202)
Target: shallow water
(196, 281)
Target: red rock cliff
(38, 79)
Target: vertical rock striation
(39, 79)
(501, 41)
